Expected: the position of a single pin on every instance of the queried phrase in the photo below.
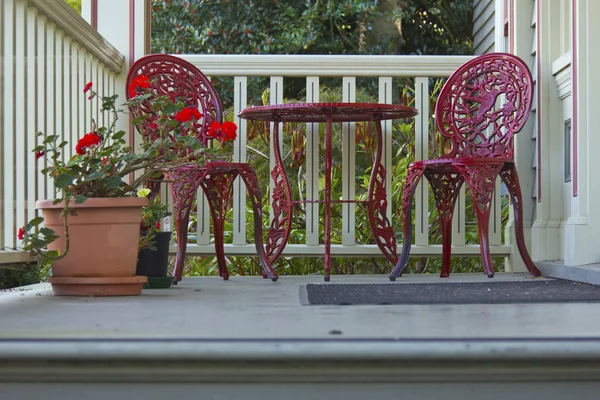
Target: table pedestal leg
(281, 205)
(381, 226)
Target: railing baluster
(239, 155)
(421, 198)
(41, 93)
(312, 167)
(276, 97)
(348, 166)
(8, 142)
(459, 219)
(20, 115)
(30, 111)
(49, 127)
(385, 97)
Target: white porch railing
(48, 54)
(348, 69)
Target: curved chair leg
(413, 176)
(446, 187)
(183, 189)
(511, 180)
(181, 228)
(251, 181)
(481, 179)
(218, 188)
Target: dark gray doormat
(534, 291)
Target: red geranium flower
(21, 233)
(39, 154)
(142, 82)
(87, 87)
(187, 114)
(224, 132)
(89, 139)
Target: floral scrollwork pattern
(281, 207)
(380, 224)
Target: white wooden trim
(348, 166)
(325, 65)
(20, 97)
(312, 167)
(8, 135)
(76, 27)
(385, 97)
(364, 250)
(30, 113)
(239, 155)
(276, 97)
(459, 219)
(421, 231)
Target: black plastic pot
(155, 263)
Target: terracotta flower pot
(103, 247)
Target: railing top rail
(325, 65)
(67, 19)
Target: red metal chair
(481, 106)
(182, 81)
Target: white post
(582, 231)
(124, 24)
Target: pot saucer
(87, 286)
(159, 282)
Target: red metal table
(328, 113)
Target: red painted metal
(329, 113)
(178, 79)
(481, 106)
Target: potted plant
(155, 238)
(87, 237)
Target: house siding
(483, 26)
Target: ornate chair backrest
(181, 81)
(483, 104)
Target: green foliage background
(75, 5)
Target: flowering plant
(152, 215)
(104, 165)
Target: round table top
(318, 112)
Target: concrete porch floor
(249, 330)
(254, 308)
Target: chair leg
(481, 179)
(511, 180)
(251, 181)
(218, 188)
(446, 187)
(181, 228)
(415, 172)
(184, 185)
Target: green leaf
(118, 135)
(80, 199)
(113, 182)
(47, 232)
(34, 222)
(63, 180)
(96, 175)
